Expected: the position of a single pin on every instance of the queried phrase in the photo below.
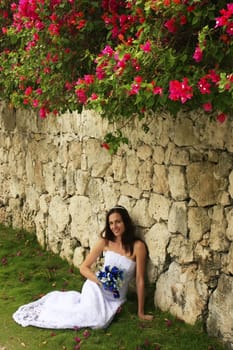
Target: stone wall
(176, 181)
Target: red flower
(197, 56)
(146, 47)
(204, 86)
(171, 25)
(180, 90)
(28, 91)
(221, 118)
(207, 107)
(106, 146)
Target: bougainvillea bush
(120, 58)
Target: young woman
(97, 304)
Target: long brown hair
(129, 236)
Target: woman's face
(116, 224)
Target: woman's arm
(85, 267)
(141, 255)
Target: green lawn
(27, 272)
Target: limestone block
(181, 249)
(130, 190)
(169, 150)
(74, 153)
(140, 212)
(198, 223)
(15, 210)
(132, 167)
(118, 168)
(44, 201)
(48, 173)
(184, 132)
(177, 183)
(231, 184)
(90, 124)
(79, 256)
(144, 152)
(62, 154)
(8, 120)
(95, 194)
(97, 165)
(159, 207)
(41, 224)
(180, 292)
(229, 230)
(220, 318)
(214, 134)
(53, 236)
(145, 174)
(224, 165)
(218, 241)
(177, 219)
(157, 239)
(179, 156)
(111, 192)
(32, 198)
(160, 180)
(58, 211)
(158, 155)
(228, 261)
(16, 186)
(81, 181)
(204, 188)
(70, 180)
(56, 181)
(67, 249)
(81, 219)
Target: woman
(97, 304)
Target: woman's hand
(145, 317)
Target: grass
(27, 272)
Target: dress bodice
(124, 263)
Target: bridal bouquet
(111, 279)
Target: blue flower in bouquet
(111, 279)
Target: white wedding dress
(94, 307)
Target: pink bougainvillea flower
(180, 90)
(207, 107)
(146, 47)
(4, 30)
(168, 322)
(221, 118)
(157, 90)
(4, 261)
(106, 146)
(138, 79)
(108, 51)
(134, 89)
(204, 86)
(171, 25)
(81, 94)
(86, 333)
(35, 103)
(213, 76)
(43, 112)
(89, 78)
(39, 91)
(229, 29)
(198, 54)
(183, 20)
(94, 96)
(28, 91)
